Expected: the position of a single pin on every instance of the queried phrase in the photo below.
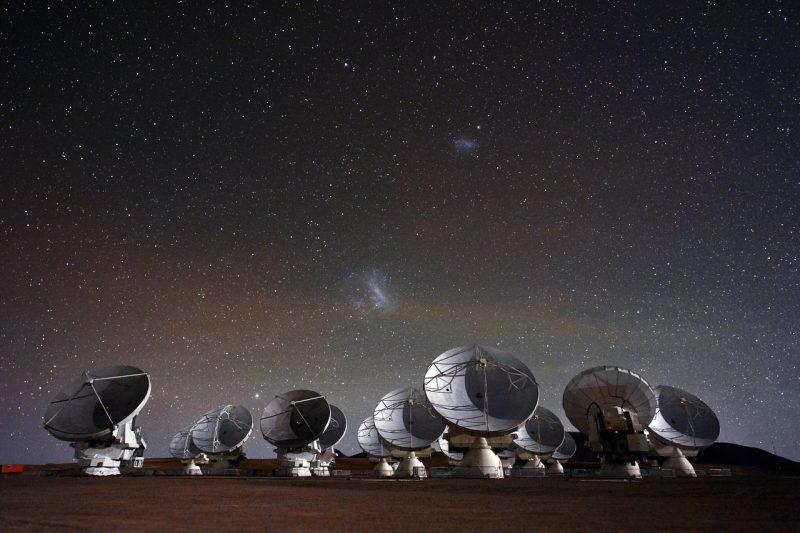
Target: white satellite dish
(539, 437)
(182, 447)
(97, 415)
(221, 434)
(612, 406)
(293, 422)
(484, 395)
(328, 440)
(405, 420)
(562, 454)
(683, 425)
(373, 444)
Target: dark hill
(725, 453)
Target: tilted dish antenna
(375, 446)
(612, 406)
(405, 420)
(539, 437)
(221, 434)
(682, 426)
(484, 394)
(443, 445)
(97, 415)
(328, 440)
(293, 422)
(563, 454)
(182, 447)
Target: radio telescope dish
(370, 440)
(482, 391)
(296, 418)
(330, 438)
(373, 444)
(542, 433)
(182, 447)
(612, 405)
(607, 387)
(405, 420)
(222, 430)
(682, 426)
(336, 429)
(683, 419)
(563, 454)
(92, 407)
(566, 450)
(294, 422)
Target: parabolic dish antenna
(370, 440)
(566, 450)
(92, 407)
(404, 419)
(222, 430)
(336, 429)
(97, 415)
(296, 418)
(542, 433)
(373, 444)
(684, 420)
(607, 387)
(182, 447)
(482, 391)
(562, 454)
(612, 406)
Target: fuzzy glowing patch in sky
(371, 292)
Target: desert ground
(155, 499)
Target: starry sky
(244, 199)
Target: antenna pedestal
(680, 464)
(411, 467)
(627, 470)
(190, 468)
(480, 461)
(383, 469)
(321, 467)
(294, 463)
(105, 458)
(555, 468)
(224, 464)
(534, 462)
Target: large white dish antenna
(404, 419)
(607, 387)
(542, 433)
(296, 418)
(92, 407)
(566, 450)
(336, 429)
(482, 391)
(684, 420)
(370, 440)
(222, 430)
(182, 447)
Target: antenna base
(480, 461)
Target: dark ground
(750, 499)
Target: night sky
(248, 199)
